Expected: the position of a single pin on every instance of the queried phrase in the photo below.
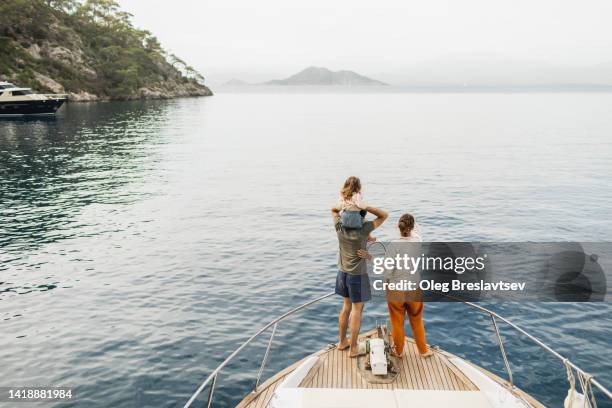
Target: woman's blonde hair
(351, 186)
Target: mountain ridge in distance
(323, 76)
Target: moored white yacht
(329, 378)
(22, 101)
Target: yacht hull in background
(30, 107)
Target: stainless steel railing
(546, 347)
(212, 378)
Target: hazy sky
(265, 37)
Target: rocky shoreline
(175, 85)
(171, 89)
(89, 53)
(143, 93)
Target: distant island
(324, 76)
(89, 50)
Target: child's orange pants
(414, 309)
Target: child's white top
(355, 203)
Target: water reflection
(144, 241)
(52, 167)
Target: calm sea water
(140, 242)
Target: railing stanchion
(212, 390)
(265, 357)
(503, 351)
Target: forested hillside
(89, 49)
